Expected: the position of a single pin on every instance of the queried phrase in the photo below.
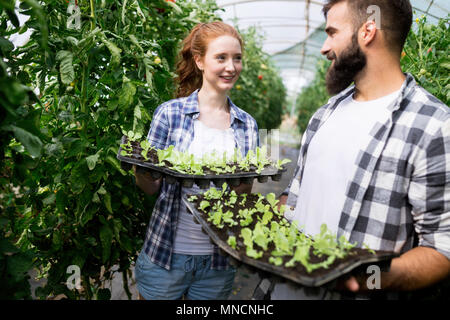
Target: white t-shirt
(189, 238)
(330, 161)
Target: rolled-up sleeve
(429, 192)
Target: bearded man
(374, 164)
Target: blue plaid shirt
(173, 124)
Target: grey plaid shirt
(401, 188)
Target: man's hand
(415, 269)
(283, 200)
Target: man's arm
(415, 269)
(429, 196)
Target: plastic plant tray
(357, 261)
(188, 180)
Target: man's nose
(325, 48)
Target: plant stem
(92, 15)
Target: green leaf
(5, 46)
(31, 143)
(66, 70)
(79, 177)
(107, 201)
(49, 200)
(106, 236)
(175, 7)
(115, 53)
(92, 160)
(445, 64)
(126, 94)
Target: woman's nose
(230, 65)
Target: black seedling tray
(188, 180)
(356, 260)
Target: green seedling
(232, 241)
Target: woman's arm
(242, 188)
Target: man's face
(342, 48)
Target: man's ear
(368, 32)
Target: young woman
(177, 259)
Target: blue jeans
(189, 275)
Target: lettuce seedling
(301, 255)
(216, 219)
(192, 198)
(232, 199)
(213, 194)
(164, 154)
(227, 217)
(244, 199)
(272, 200)
(280, 163)
(246, 234)
(260, 235)
(252, 253)
(203, 205)
(146, 147)
(246, 217)
(232, 241)
(278, 261)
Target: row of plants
(90, 71)
(68, 201)
(186, 163)
(425, 56)
(255, 224)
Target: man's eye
(221, 57)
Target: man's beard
(349, 63)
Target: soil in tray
(353, 254)
(153, 159)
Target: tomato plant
(426, 57)
(71, 203)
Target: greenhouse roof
(293, 30)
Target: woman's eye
(238, 58)
(220, 57)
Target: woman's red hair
(196, 43)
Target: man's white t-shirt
(330, 161)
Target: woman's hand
(243, 188)
(145, 181)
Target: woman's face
(221, 64)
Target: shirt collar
(405, 89)
(190, 106)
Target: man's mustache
(331, 55)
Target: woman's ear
(199, 62)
